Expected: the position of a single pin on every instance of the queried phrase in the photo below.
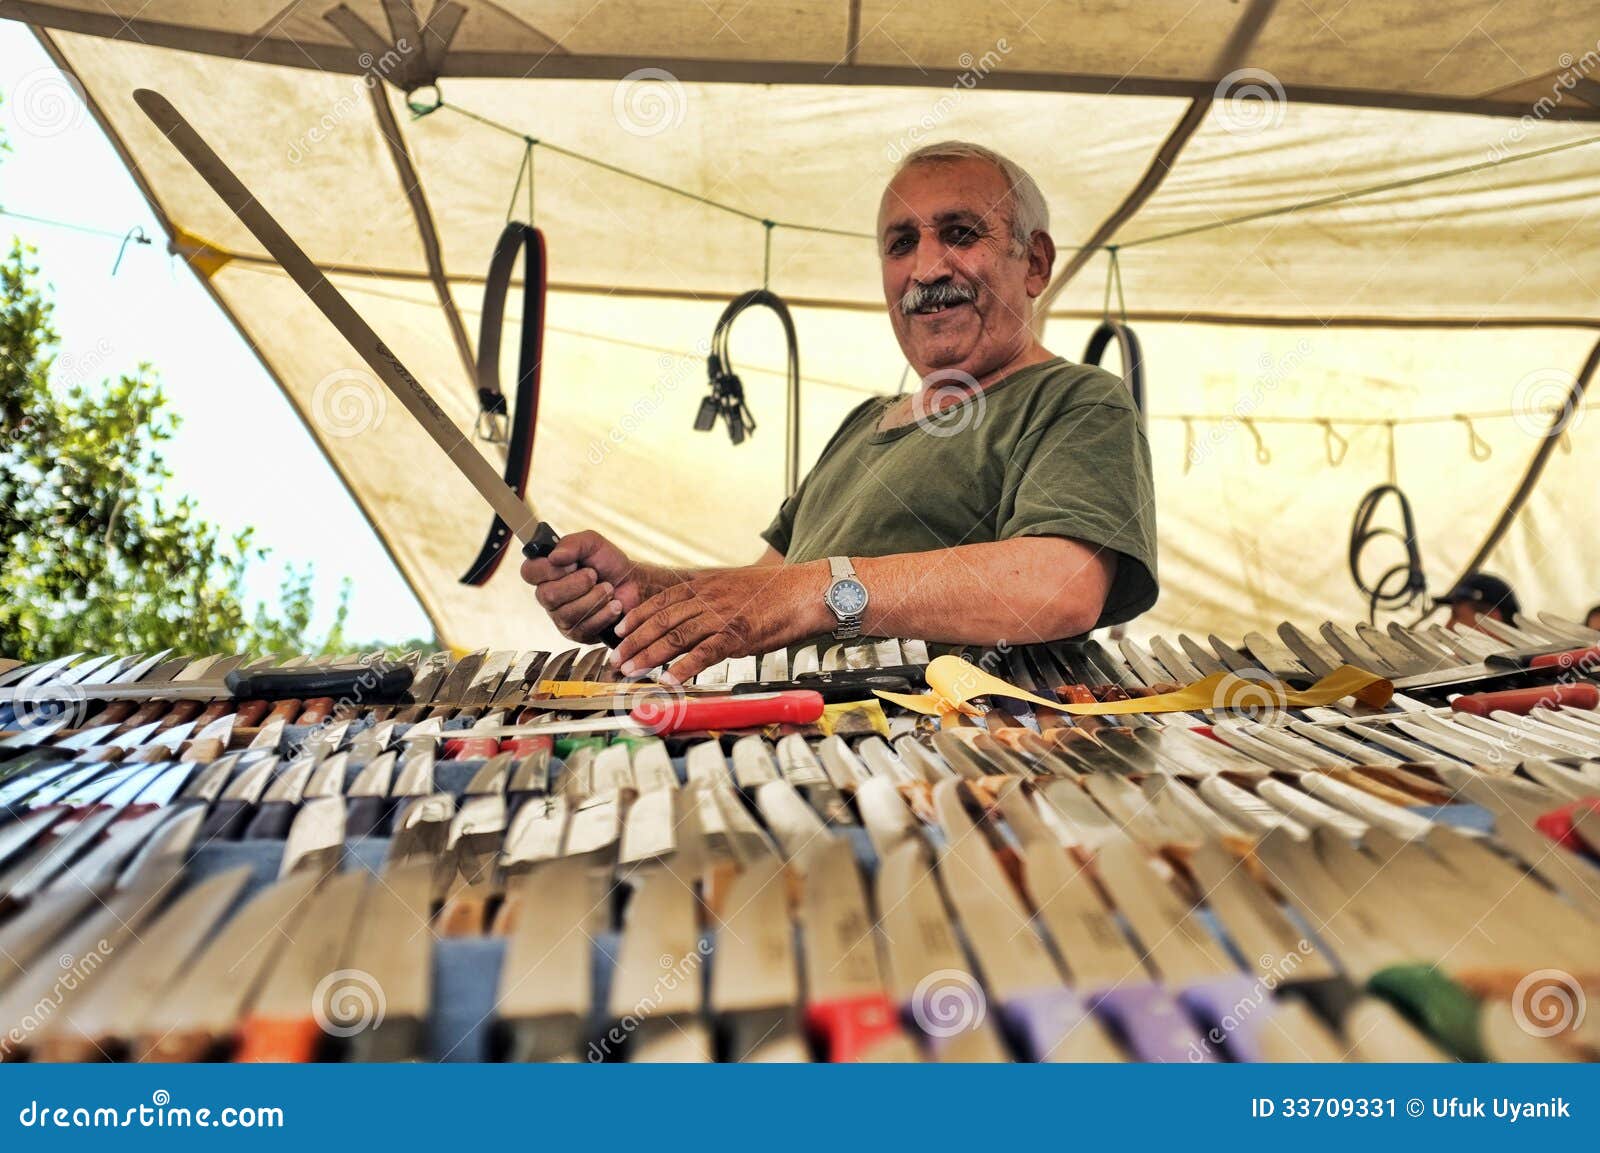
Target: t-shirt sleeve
(1085, 474)
(780, 533)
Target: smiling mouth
(936, 309)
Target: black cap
(1486, 592)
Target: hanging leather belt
(1127, 347)
(530, 358)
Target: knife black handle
(363, 816)
(226, 821)
(916, 674)
(373, 682)
(272, 821)
(833, 688)
(544, 539)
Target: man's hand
(587, 583)
(724, 613)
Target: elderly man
(1008, 499)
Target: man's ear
(1041, 258)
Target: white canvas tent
(1353, 237)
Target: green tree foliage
(93, 555)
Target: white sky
(262, 471)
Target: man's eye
(961, 237)
(900, 246)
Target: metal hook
(135, 234)
(1477, 447)
(1263, 453)
(1335, 445)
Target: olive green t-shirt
(1055, 449)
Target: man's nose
(932, 264)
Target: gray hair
(1029, 212)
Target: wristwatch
(846, 598)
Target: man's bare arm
(1023, 590)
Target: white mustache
(920, 296)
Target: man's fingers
(654, 629)
(671, 595)
(570, 616)
(698, 659)
(577, 547)
(672, 643)
(539, 571)
(605, 615)
(553, 594)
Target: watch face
(848, 597)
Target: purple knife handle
(1233, 1008)
(1042, 1018)
(1152, 1024)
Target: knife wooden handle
(180, 712)
(115, 712)
(272, 821)
(225, 822)
(215, 711)
(249, 714)
(364, 816)
(204, 752)
(316, 710)
(141, 716)
(1589, 657)
(278, 1039)
(285, 711)
(850, 1027)
(1524, 701)
(1152, 1024)
(546, 538)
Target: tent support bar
(1558, 424)
(426, 232)
(1229, 57)
(555, 66)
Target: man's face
(948, 223)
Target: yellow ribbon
(953, 682)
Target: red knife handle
(522, 747)
(285, 711)
(1074, 694)
(1524, 701)
(278, 1039)
(471, 748)
(852, 1026)
(317, 710)
(670, 714)
(250, 713)
(1589, 657)
(1557, 824)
